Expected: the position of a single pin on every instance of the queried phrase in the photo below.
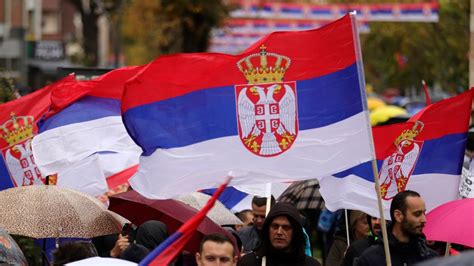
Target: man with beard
(282, 242)
(359, 246)
(405, 234)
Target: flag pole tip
(229, 177)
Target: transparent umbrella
(218, 214)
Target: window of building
(51, 23)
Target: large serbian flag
(290, 107)
(17, 127)
(83, 135)
(424, 154)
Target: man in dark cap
(359, 246)
(282, 240)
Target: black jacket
(250, 237)
(356, 249)
(252, 259)
(359, 246)
(401, 253)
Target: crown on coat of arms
(17, 129)
(410, 134)
(264, 67)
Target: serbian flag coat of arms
(18, 120)
(290, 107)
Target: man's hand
(120, 245)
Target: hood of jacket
(297, 245)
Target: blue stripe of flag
(321, 12)
(5, 180)
(291, 10)
(412, 11)
(86, 109)
(438, 156)
(229, 197)
(381, 12)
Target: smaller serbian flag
(83, 135)
(424, 154)
(167, 251)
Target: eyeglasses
(285, 227)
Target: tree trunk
(90, 31)
(90, 37)
(196, 36)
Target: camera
(130, 230)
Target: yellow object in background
(383, 113)
(373, 103)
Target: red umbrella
(173, 213)
(452, 222)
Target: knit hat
(356, 215)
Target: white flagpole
(382, 217)
(347, 228)
(448, 247)
(268, 195)
(371, 139)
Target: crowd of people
(279, 238)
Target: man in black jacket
(250, 235)
(405, 234)
(282, 241)
(359, 246)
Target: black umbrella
(304, 195)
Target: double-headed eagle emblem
(398, 167)
(266, 106)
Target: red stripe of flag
(121, 177)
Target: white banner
(466, 186)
